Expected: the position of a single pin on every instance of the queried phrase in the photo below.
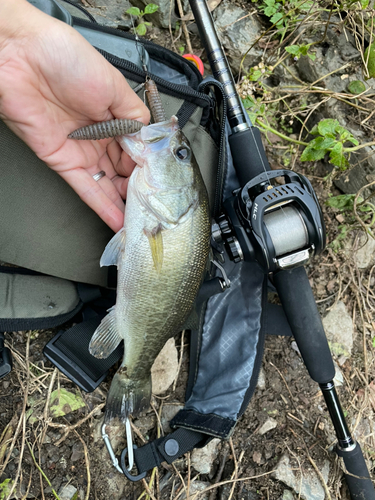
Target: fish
(161, 254)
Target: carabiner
(129, 444)
(110, 449)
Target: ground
(41, 453)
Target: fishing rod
(279, 226)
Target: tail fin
(127, 397)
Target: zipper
(222, 163)
(183, 90)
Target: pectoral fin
(114, 249)
(106, 337)
(155, 239)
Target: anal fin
(106, 337)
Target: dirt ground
(41, 453)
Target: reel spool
(287, 230)
(278, 226)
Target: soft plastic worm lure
(113, 128)
(154, 101)
(103, 130)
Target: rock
(339, 378)
(78, 452)
(195, 487)
(310, 488)
(203, 458)
(164, 369)
(115, 483)
(268, 426)
(145, 423)
(258, 458)
(55, 484)
(338, 326)
(287, 495)
(261, 384)
(67, 492)
(249, 495)
(167, 413)
(110, 13)
(365, 255)
(362, 429)
(294, 346)
(238, 31)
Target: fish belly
(152, 304)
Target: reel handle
(300, 308)
(357, 476)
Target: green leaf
(248, 102)
(353, 140)
(300, 50)
(252, 116)
(293, 49)
(5, 488)
(316, 143)
(312, 154)
(305, 6)
(277, 19)
(133, 11)
(328, 127)
(141, 29)
(255, 75)
(151, 8)
(327, 143)
(371, 60)
(342, 201)
(63, 402)
(336, 156)
(356, 87)
(270, 11)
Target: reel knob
(234, 249)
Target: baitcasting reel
(280, 226)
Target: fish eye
(182, 153)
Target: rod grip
(249, 157)
(357, 476)
(299, 305)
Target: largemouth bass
(161, 255)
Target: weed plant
(288, 110)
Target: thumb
(126, 103)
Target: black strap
(168, 448)
(69, 351)
(88, 293)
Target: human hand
(53, 81)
